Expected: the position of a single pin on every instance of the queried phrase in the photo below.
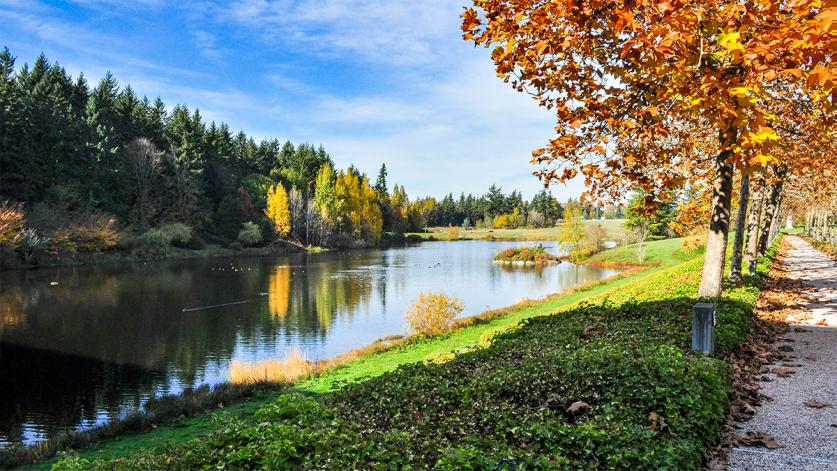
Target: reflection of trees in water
(279, 287)
(54, 391)
(103, 340)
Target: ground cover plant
(607, 383)
(536, 255)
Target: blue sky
(373, 81)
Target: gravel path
(807, 436)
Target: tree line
(90, 168)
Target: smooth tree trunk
(769, 212)
(716, 241)
(753, 230)
(741, 219)
(775, 222)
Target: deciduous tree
(277, 211)
(638, 86)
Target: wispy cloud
(372, 80)
(393, 32)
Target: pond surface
(81, 346)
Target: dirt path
(806, 434)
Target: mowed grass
(615, 229)
(661, 253)
(184, 429)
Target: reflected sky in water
(106, 338)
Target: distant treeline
(78, 162)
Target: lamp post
(703, 327)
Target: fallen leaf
(817, 404)
(785, 348)
(757, 439)
(810, 357)
(781, 371)
(578, 407)
(822, 322)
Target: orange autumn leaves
(644, 89)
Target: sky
(373, 81)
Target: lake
(81, 346)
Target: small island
(526, 255)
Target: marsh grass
(292, 367)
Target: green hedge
(504, 402)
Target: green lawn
(663, 253)
(614, 227)
(357, 372)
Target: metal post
(703, 327)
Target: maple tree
(638, 85)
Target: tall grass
(292, 367)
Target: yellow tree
(638, 86)
(277, 210)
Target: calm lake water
(104, 339)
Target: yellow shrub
(453, 233)
(433, 313)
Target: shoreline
(203, 402)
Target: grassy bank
(512, 396)
(615, 229)
(661, 253)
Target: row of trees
(660, 95)
(90, 167)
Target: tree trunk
(738, 241)
(770, 210)
(774, 223)
(753, 230)
(716, 241)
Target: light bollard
(703, 327)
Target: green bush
(235, 245)
(179, 234)
(153, 243)
(250, 235)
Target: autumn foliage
(651, 94)
(433, 313)
(11, 223)
(277, 211)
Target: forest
(93, 168)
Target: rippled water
(105, 338)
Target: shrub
(153, 243)
(453, 233)
(31, 244)
(178, 234)
(414, 238)
(11, 223)
(532, 255)
(433, 313)
(235, 245)
(250, 234)
(93, 232)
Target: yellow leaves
(277, 211)
(740, 92)
(764, 159)
(730, 41)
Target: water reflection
(104, 339)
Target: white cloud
(394, 32)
